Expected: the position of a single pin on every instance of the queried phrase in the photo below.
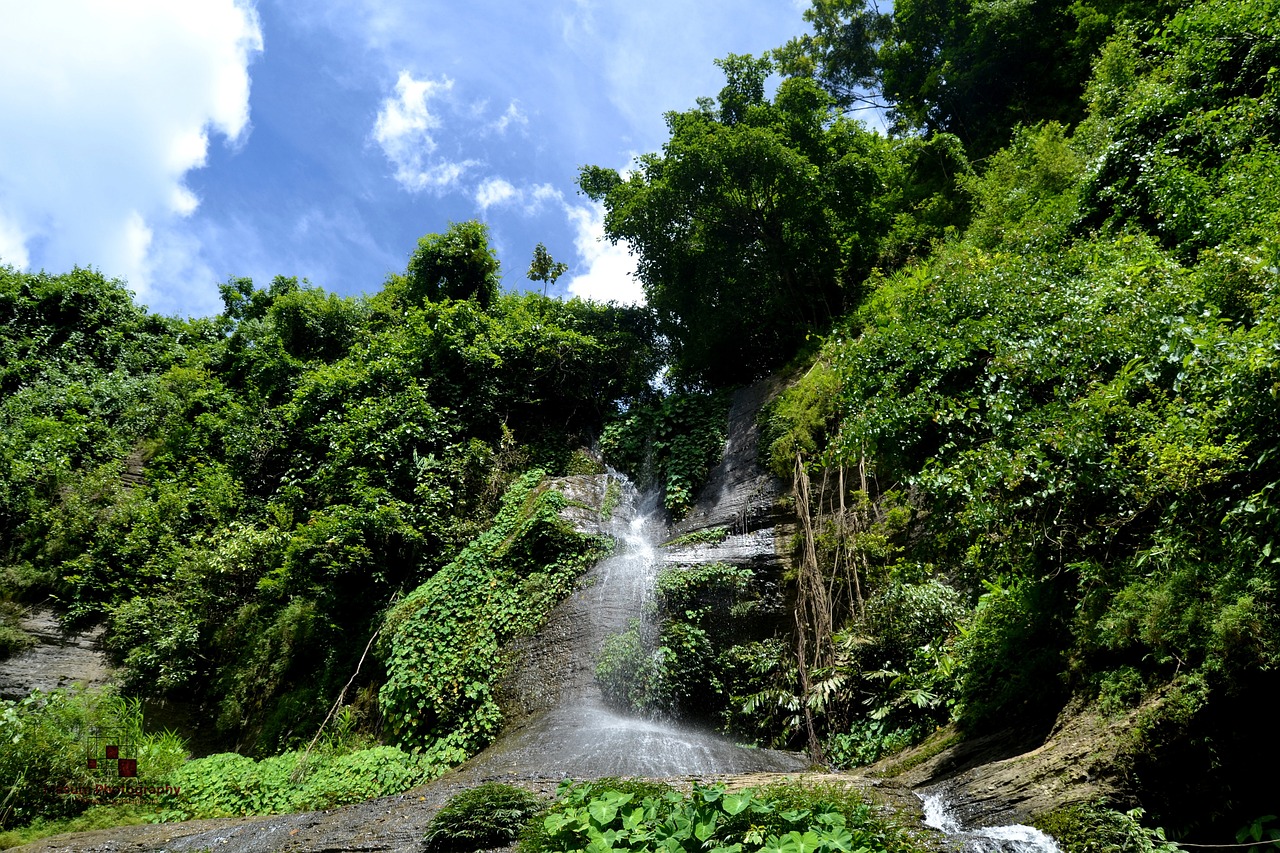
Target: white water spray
(1015, 838)
(580, 735)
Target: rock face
(558, 724)
(1014, 776)
(740, 495)
(596, 501)
(59, 659)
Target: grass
(921, 754)
(96, 817)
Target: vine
(672, 443)
(445, 640)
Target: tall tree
(755, 224)
(458, 264)
(841, 52)
(972, 68)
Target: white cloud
(495, 191)
(513, 115)
(13, 248)
(405, 122)
(609, 269)
(108, 107)
(499, 192)
(404, 130)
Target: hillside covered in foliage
(1033, 341)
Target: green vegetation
(50, 789)
(612, 496)
(1030, 439)
(487, 816)
(708, 536)
(1094, 828)
(1045, 449)
(762, 218)
(781, 819)
(94, 817)
(47, 737)
(455, 265)
(242, 499)
(965, 67)
(443, 643)
(670, 443)
(711, 636)
(12, 638)
(231, 785)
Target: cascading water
(1015, 838)
(579, 735)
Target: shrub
(680, 665)
(1009, 661)
(629, 671)
(607, 815)
(49, 736)
(12, 638)
(489, 815)
(671, 443)
(227, 784)
(1096, 828)
(867, 741)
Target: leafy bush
(486, 816)
(867, 741)
(48, 737)
(678, 663)
(671, 443)
(706, 536)
(443, 644)
(1027, 194)
(12, 638)
(1095, 828)
(1009, 654)
(629, 671)
(534, 838)
(903, 617)
(227, 784)
(779, 819)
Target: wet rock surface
(559, 724)
(60, 658)
(590, 509)
(740, 495)
(1010, 777)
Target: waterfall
(577, 734)
(1014, 838)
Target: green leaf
(736, 803)
(602, 811)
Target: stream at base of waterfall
(1014, 838)
(580, 736)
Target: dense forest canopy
(1032, 349)
(306, 457)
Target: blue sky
(176, 144)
